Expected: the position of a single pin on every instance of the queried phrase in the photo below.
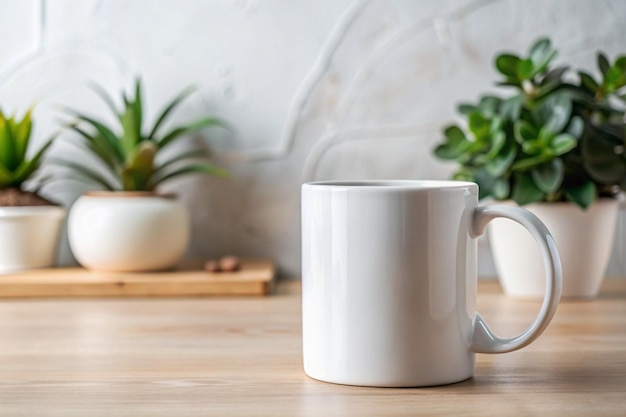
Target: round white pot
(584, 240)
(29, 237)
(128, 231)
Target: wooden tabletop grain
(242, 357)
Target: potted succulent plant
(130, 226)
(29, 223)
(556, 145)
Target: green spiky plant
(129, 151)
(15, 166)
(557, 138)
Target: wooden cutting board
(256, 277)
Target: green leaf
(479, 125)
(168, 109)
(601, 161)
(191, 127)
(539, 49)
(502, 162)
(138, 107)
(194, 154)
(200, 168)
(579, 94)
(548, 177)
(583, 195)
(130, 137)
(7, 144)
(563, 143)
(547, 89)
(144, 156)
(525, 191)
(545, 136)
(554, 76)
(560, 108)
(100, 148)
(466, 109)
(454, 134)
(136, 176)
(620, 62)
(475, 158)
(507, 65)
(588, 82)
(525, 69)
(613, 132)
(516, 84)
(541, 54)
(542, 65)
(496, 124)
(463, 174)
(28, 167)
(533, 147)
(447, 152)
(456, 143)
(614, 79)
(603, 63)
(498, 139)
(501, 189)
(22, 135)
(527, 163)
(131, 124)
(488, 105)
(106, 133)
(485, 183)
(84, 171)
(6, 178)
(576, 127)
(512, 108)
(524, 131)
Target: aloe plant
(15, 166)
(552, 140)
(128, 152)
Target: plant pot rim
(27, 211)
(129, 194)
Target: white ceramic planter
(29, 237)
(584, 240)
(128, 231)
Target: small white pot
(128, 231)
(583, 238)
(29, 237)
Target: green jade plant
(130, 156)
(15, 165)
(553, 140)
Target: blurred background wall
(325, 89)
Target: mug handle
(483, 339)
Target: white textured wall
(323, 89)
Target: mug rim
(390, 184)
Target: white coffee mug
(389, 281)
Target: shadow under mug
(389, 281)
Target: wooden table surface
(242, 356)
